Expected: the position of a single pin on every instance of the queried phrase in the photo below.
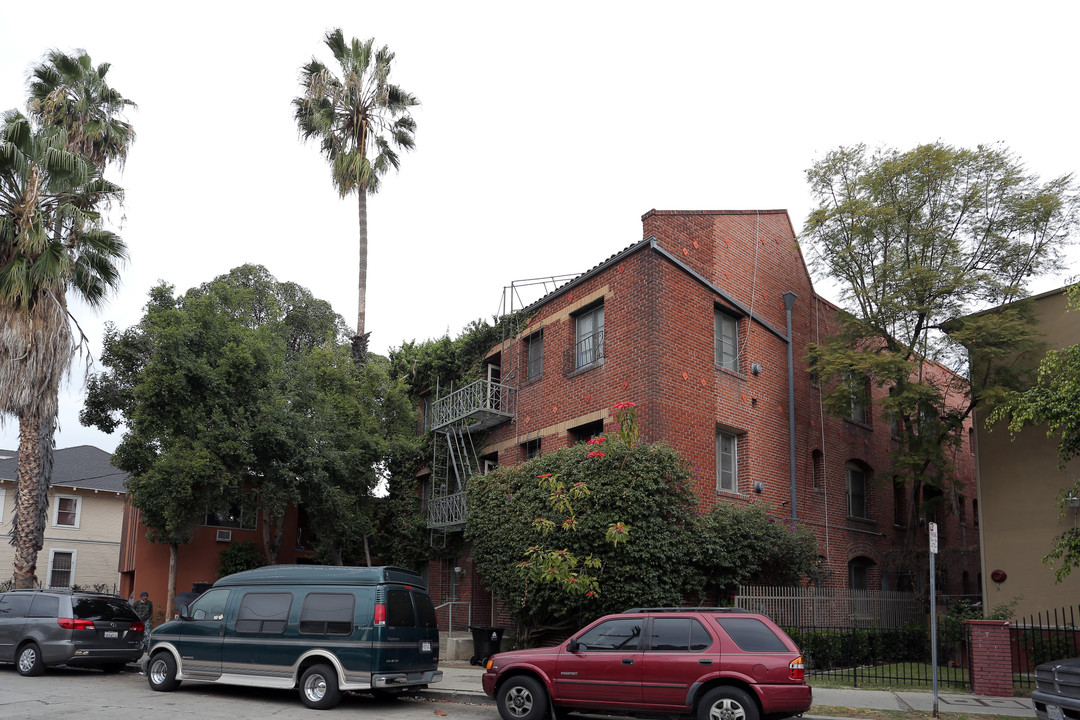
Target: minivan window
(751, 635)
(327, 614)
(399, 609)
(426, 611)
(44, 606)
(14, 605)
(263, 612)
(102, 608)
(210, 605)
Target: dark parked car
(1057, 690)
(720, 663)
(39, 628)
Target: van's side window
(262, 612)
(210, 605)
(327, 614)
(399, 609)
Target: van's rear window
(102, 608)
(399, 609)
(327, 614)
(426, 611)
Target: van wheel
(30, 663)
(161, 672)
(522, 698)
(727, 703)
(319, 687)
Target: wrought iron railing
(483, 398)
(585, 353)
(446, 510)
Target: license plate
(1054, 712)
(110, 634)
(425, 646)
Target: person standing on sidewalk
(144, 608)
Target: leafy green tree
(361, 119)
(1054, 401)
(916, 240)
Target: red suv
(720, 663)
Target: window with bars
(589, 337)
(61, 568)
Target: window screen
(327, 614)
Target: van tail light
(380, 614)
(796, 669)
(137, 627)
(75, 624)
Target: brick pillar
(991, 657)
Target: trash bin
(486, 641)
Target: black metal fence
(1042, 637)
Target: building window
(899, 503)
(532, 448)
(817, 461)
(727, 461)
(61, 568)
(534, 348)
(586, 432)
(961, 509)
(856, 491)
(235, 516)
(3, 496)
(726, 340)
(589, 334)
(858, 398)
(971, 440)
(975, 512)
(66, 512)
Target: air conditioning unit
(224, 536)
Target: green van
(323, 629)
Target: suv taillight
(75, 624)
(796, 669)
(380, 614)
(137, 626)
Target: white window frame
(3, 497)
(725, 340)
(850, 468)
(732, 470)
(589, 346)
(74, 564)
(56, 511)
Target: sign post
(933, 613)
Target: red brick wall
(991, 657)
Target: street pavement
(461, 683)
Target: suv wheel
(29, 662)
(319, 687)
(727, 703)
(522, 698)
(161, 672)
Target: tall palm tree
(52, 241)
(360, 117)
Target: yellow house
(1018, 483)
(84, 522)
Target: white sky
(546, 130)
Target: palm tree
(51, 241)
(356, 116)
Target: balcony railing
(587, 352)
(446, 511)
(480, 405)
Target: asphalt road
(92, 695)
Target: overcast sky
(545, 131)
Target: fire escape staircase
(455, 419)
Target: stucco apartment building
(85, 514)
(704, 324)
(1018, 483)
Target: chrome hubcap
(158, 672)
(315, 688)
(519, 701)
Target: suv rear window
(102, 608)
(751, 635)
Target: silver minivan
(40, 628)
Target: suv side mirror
(183, 613)
(574, 645)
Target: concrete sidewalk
(461, 683)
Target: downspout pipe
(789, 303)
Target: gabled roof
(84, 466)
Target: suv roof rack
(688, 609)
(61, 591)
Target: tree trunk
(362, 306)
(28, 525)
(174, 557)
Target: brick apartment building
(693, 324)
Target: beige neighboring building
(1018, 482)
(85, 519)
